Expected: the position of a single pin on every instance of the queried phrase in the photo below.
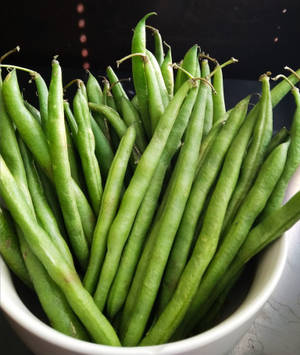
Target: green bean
(10, 250)
(175, 203)
(167, 73)
(109, 204)
(277, 139)
(42, 91)
(281, 89)
(59, 270)
(71, 120)
(219, 108)
(9, 148)
(35, 139)
(158, 45)
(269, 229)
(103, 149)
(253, 204)
(43, 212)
(95, 95)
(135, 103)
(156, 105)
(132, 117)
(293, 160)
(160, 80)
(261, 138)
(138, 45)
(86, 148)
(113, 117)
(209, 111)
(155, 101)
(222, 192)
(61, 167)
(190, 62)
(34, 111)
(52, 200)
(135, 193)
(209, 140)
(54, 304)
(146, 212)
(24, 121)
(205, 248)
(116, 87)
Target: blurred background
(263, 35)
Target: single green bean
(277, 139)
(42, 92)
(219, 108)
(138, 45)
(34, 111)
(113, 117)
(209, 111)
(9, 148)
(95, 95)
(135, 193)
(160, 80)
(168, 73)
(109, 204)
(61, 168)
(116, 87)
(158, 45)
(190, 63)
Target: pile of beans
(132, 218)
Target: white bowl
(43, 340)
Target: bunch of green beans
(133, 217)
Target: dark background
(262, 34)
